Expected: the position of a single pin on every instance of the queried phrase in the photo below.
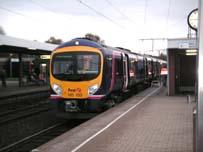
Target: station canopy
(17, 45)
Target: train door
(125, 72)
(118, 71)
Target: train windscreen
(76, 66)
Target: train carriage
(87, 77)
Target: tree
(53, 40)
(2, 32)
(93, 37)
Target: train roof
(81, 42)
(91, 43)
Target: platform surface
(158, 123)
(13, 89)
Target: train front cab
(74, 78)
(79, 97)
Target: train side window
(133, 65)
(141, 66)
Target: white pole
(199, 122)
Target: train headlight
(57, 89)
(93, 89)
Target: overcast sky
(118, 22)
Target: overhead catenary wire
(168, 12)
(145, 32)
(100, 14)
(31, 18)
(44, 7)
(20, 14)
(120, 12)
(16, 13)
(168, 15)
(145, 11)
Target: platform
(147, 122)
(13, 89)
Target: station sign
(14, 59)
(43, 57)
(183, 45)
(187, 45)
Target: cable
(44, 7)
(16, 13)
(145, 11)
(27, 16)
(99, 13)
(168, 12)
(120, 12)
(20, 14)
(167, 17)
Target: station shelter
(182, 60)
(19, 57)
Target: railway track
(32, 141)
(12, 103)
(14, 115)
(41, 137)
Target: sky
(124, 23)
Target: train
(87, 77)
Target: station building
(18, 57)
(182, 60)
